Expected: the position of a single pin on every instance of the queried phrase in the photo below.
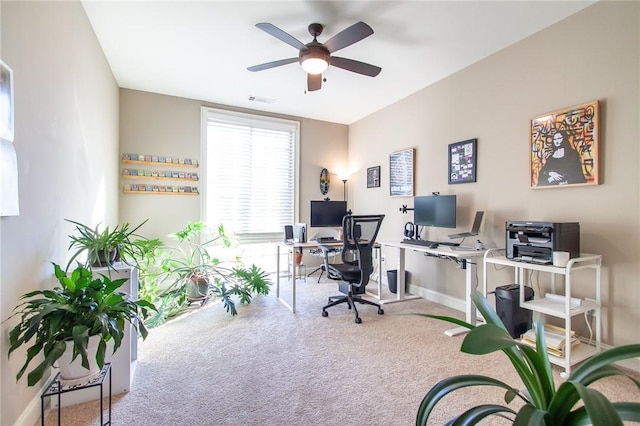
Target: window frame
(248, 119)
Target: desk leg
(470, 309)
(400, 283)
(291, 307)
(278, 271)
(379, 249)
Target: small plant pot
(105, 259)
(73, 371)
(198, 288)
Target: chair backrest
(359, 236)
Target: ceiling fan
(315, 57)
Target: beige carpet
(268, 366)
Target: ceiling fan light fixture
(315, 65)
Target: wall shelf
(159, 178)
(154, 174)
(160, 193)
(157, 163)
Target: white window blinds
(250, 173)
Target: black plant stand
(56, 388)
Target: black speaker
(409, 230)
(517, 320)
(288, 233)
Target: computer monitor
(435, 210)
(327, 213)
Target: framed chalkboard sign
(401, 169)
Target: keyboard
(430, 244)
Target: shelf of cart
(579, 353)
(557, 308)
(585, 261)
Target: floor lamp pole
(344, 189)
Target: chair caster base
(358, 320)
(380, 311)
(325, 314)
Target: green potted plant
(191, 270)
(103, 247)
(68, 315)
(543, 403)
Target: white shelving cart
(562, 306)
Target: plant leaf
(600, 410)
(36, 374)
(485, 339)
(529, 415)
(476, 414)
(448, 385)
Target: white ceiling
(201, 49)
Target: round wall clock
(324, 181)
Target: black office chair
(359, 236)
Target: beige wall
(66, 123)
(592, 55)
(170, 126)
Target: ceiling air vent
(261, 99)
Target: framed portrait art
(373, 177)
(563, 147)
(462, 161)
(401, 173)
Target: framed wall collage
(462, 161)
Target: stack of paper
(554, 338)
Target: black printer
(536, 241)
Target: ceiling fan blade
(348, 36)
(355, 66)
(281, 35)
(273, 64)
(314, 82)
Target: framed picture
(563, 147)
(462, 161)
(6, 102)
(373, 177)
(401, 172)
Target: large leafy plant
(191, 260)
(543, 403)
(80, 307)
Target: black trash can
(517, 320)
(392, 279)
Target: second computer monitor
(435, 210)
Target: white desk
(308, 245)
(469, 259)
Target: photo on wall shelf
(373, 177)
(563, 147)
(401, 173)
(462, 161)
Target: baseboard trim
(31, 414)
(436, 297)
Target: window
(250, 173)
